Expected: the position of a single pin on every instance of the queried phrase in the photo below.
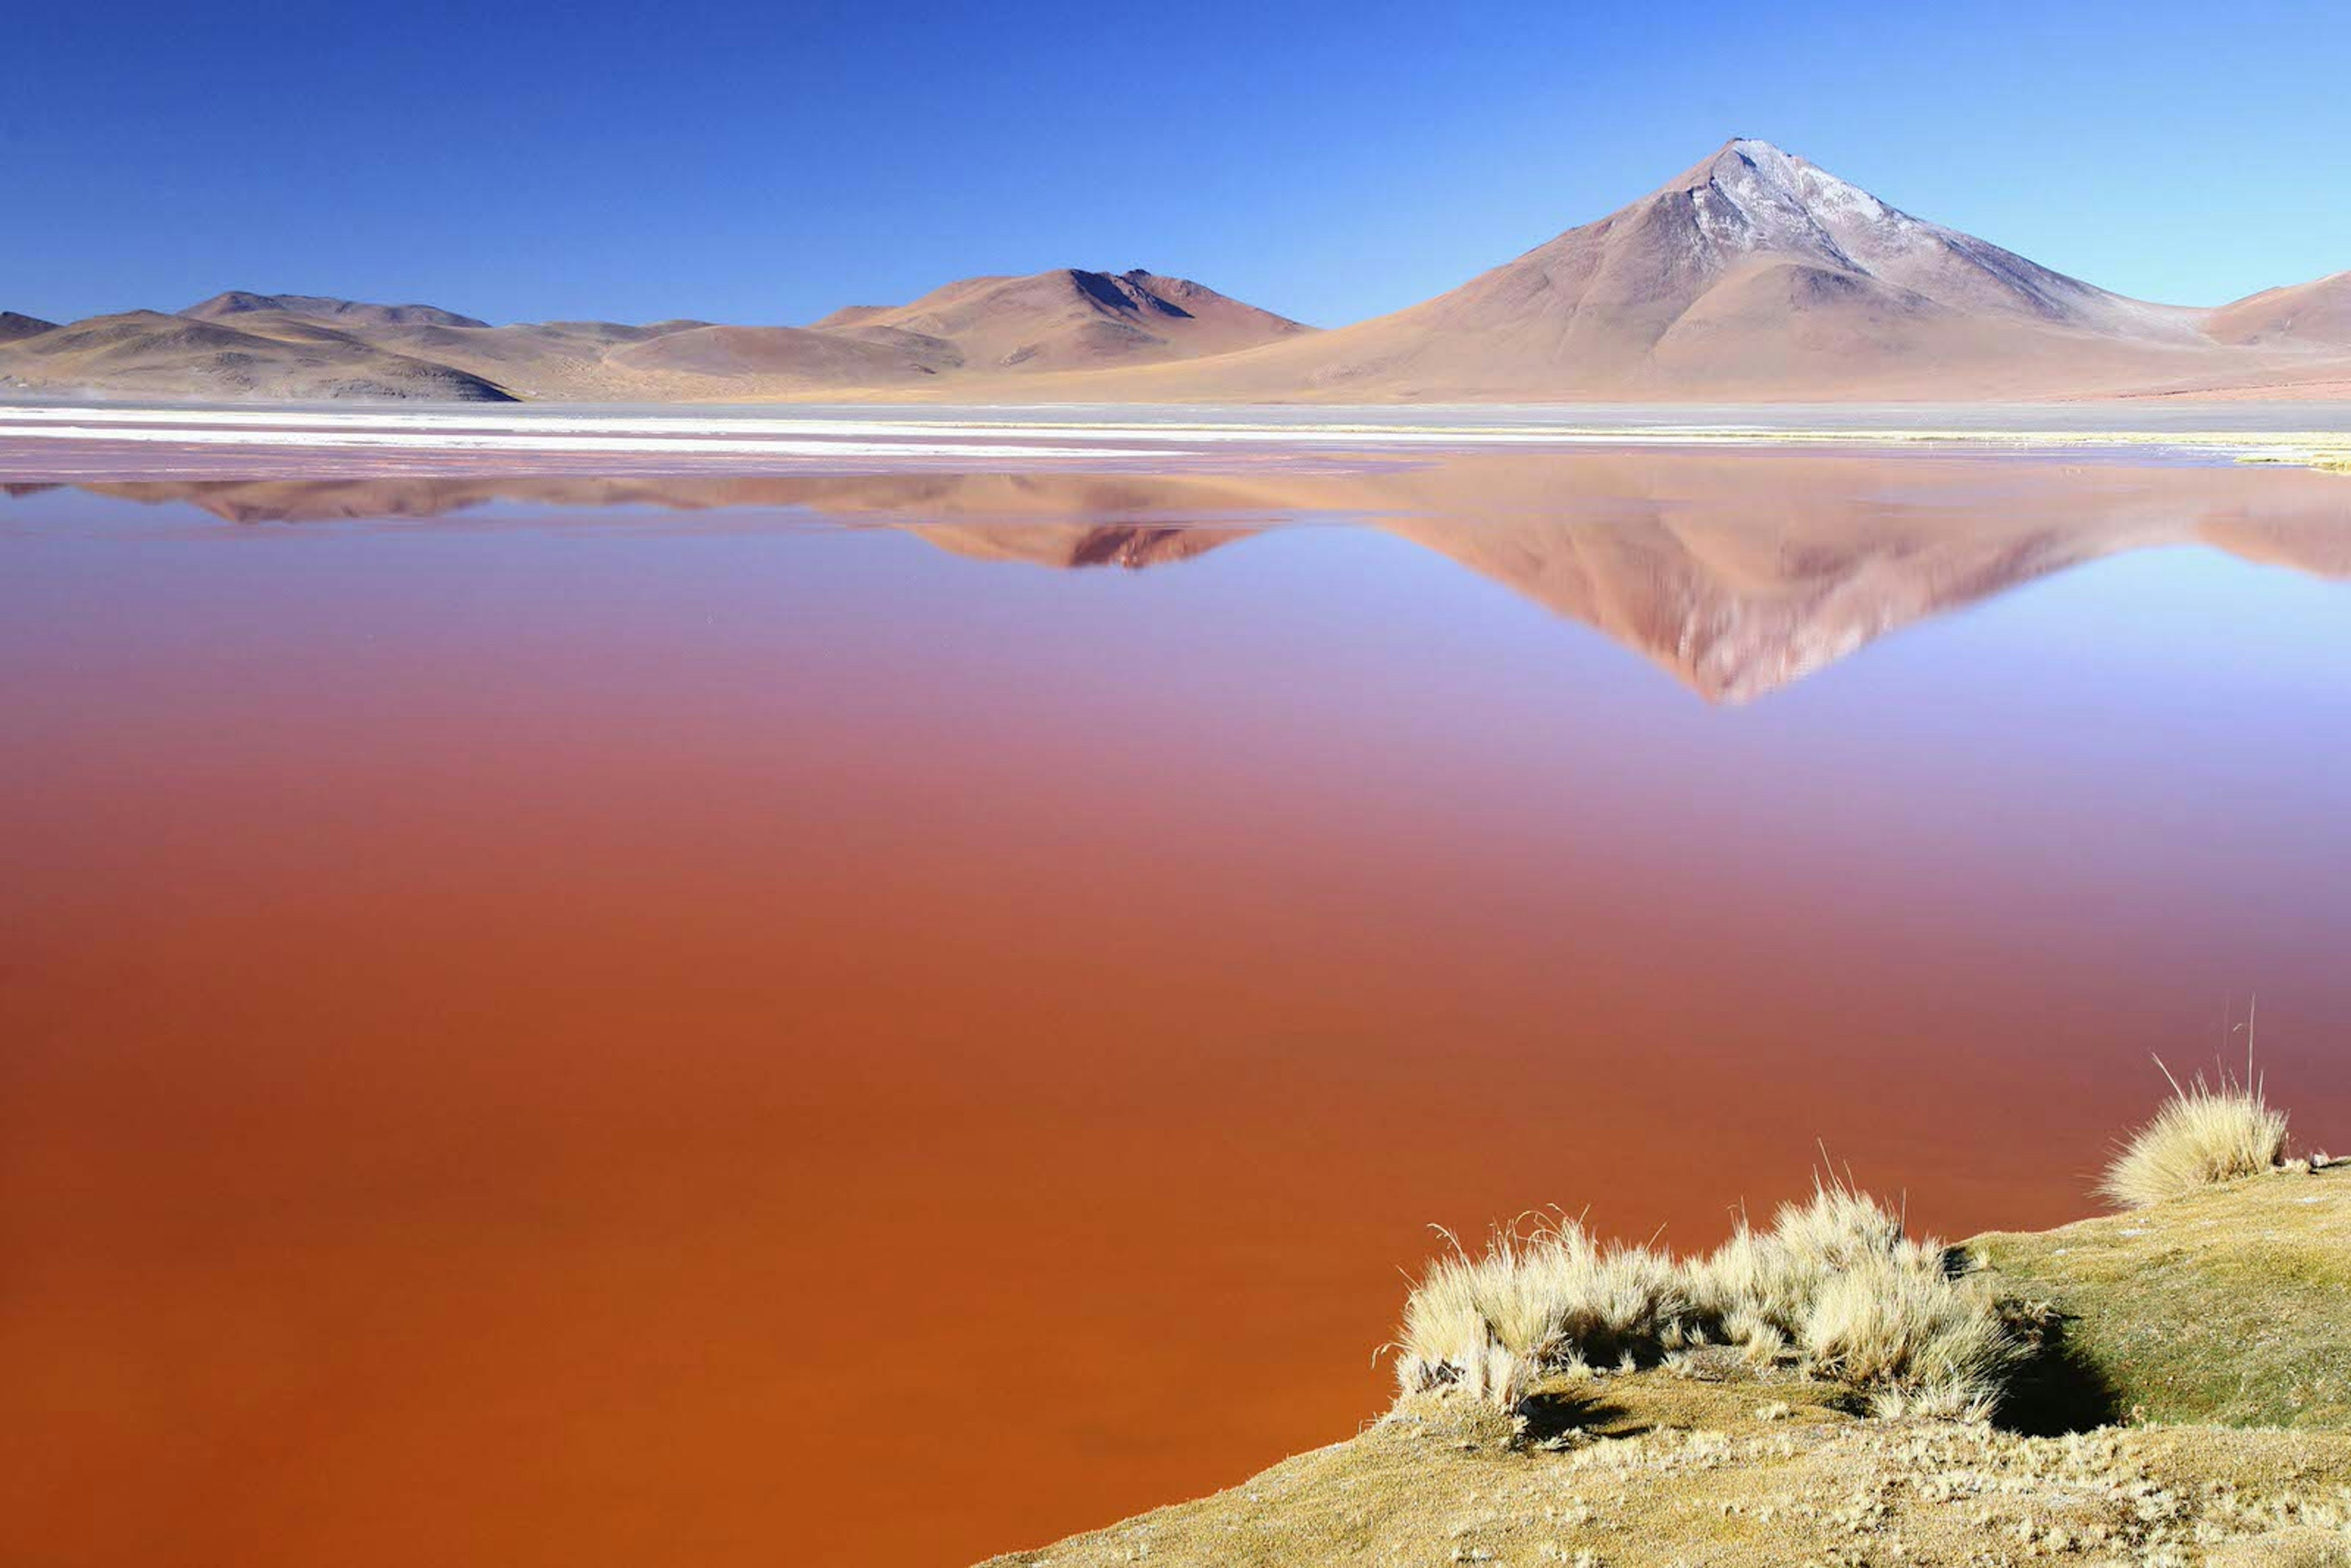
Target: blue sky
(761, 162)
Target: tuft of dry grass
(1923, 1343)
(2205, 1133)
(1835, 1287)
(1536, 1302)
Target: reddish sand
(599, 1038)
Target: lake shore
(2205, 1333)
(66, 439)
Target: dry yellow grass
(2204, 1134)
(1834, 1289)
(1534, 1303)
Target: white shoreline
(1058, 436)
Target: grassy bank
(2231, 1305)
(2170, 1385)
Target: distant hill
(2308, 313)
(966, 332)
(147, 352)
(14, 324)
(789, 358)
(975, 330)
(1070, 319)
(558, 361)
(347, 312)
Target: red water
(566, 1036)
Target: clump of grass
(1537, 1301)
(1921, 1342)
(2205, 1133)
(1835, 1287)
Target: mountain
(1069, 320)
(560, 361)
(1755, 274)
(292, 359)
(347, 312)
(971, 332)
(2316, 314)
(784, 358)
(14, 324)
(306, 346)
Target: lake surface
(822, 1018)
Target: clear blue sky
(761, 162)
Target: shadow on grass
(1548, 1414)
(2056, 1389)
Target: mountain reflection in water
(1737, 573)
